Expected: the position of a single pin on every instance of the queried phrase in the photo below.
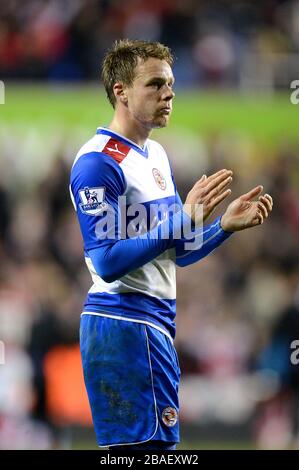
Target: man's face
(150, 96)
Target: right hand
(245, 212)
(209, 192)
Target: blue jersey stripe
(160, 312)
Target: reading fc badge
(170, 416)
(159, 178)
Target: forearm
(207, 239)
(117, 257)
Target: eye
(157, 85)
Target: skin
(147, 105)
(140, 108)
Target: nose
(169, 94)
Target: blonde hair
(121, 60)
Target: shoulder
(93, 155)
(93, 146)
(153, 145)
(92, 166)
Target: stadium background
(238, 310)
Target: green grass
(268, 119)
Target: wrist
(224, 225)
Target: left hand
(244, 212)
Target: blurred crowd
(238, 309)
(217, 42)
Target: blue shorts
(131, 374)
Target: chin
(160, 123)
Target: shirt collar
(142, 150)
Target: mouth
(165, 111)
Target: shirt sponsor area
(153, 220)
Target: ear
(120, 93)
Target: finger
(263, 209)
(219, 173)
(220, 187)
(200, 181)
(260, 218)
(267, 196)
(210, 178)
(255, 222)
(220, 198)
(217, 181)
(264, 200)
(252, 193)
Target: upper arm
(96, 183)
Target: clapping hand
(245, 212)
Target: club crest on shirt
(92, 200)
(169, 416)
(159, 178)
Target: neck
(131, 130)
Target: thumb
(252, 193)
(204, 177)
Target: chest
(147, 179)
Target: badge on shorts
(92, 200)
(159, 178)
(169, 416)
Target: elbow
(108, 275)
(108, 268)
(104, 267)
(181, 263)
(109, 278)
(110, 272)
